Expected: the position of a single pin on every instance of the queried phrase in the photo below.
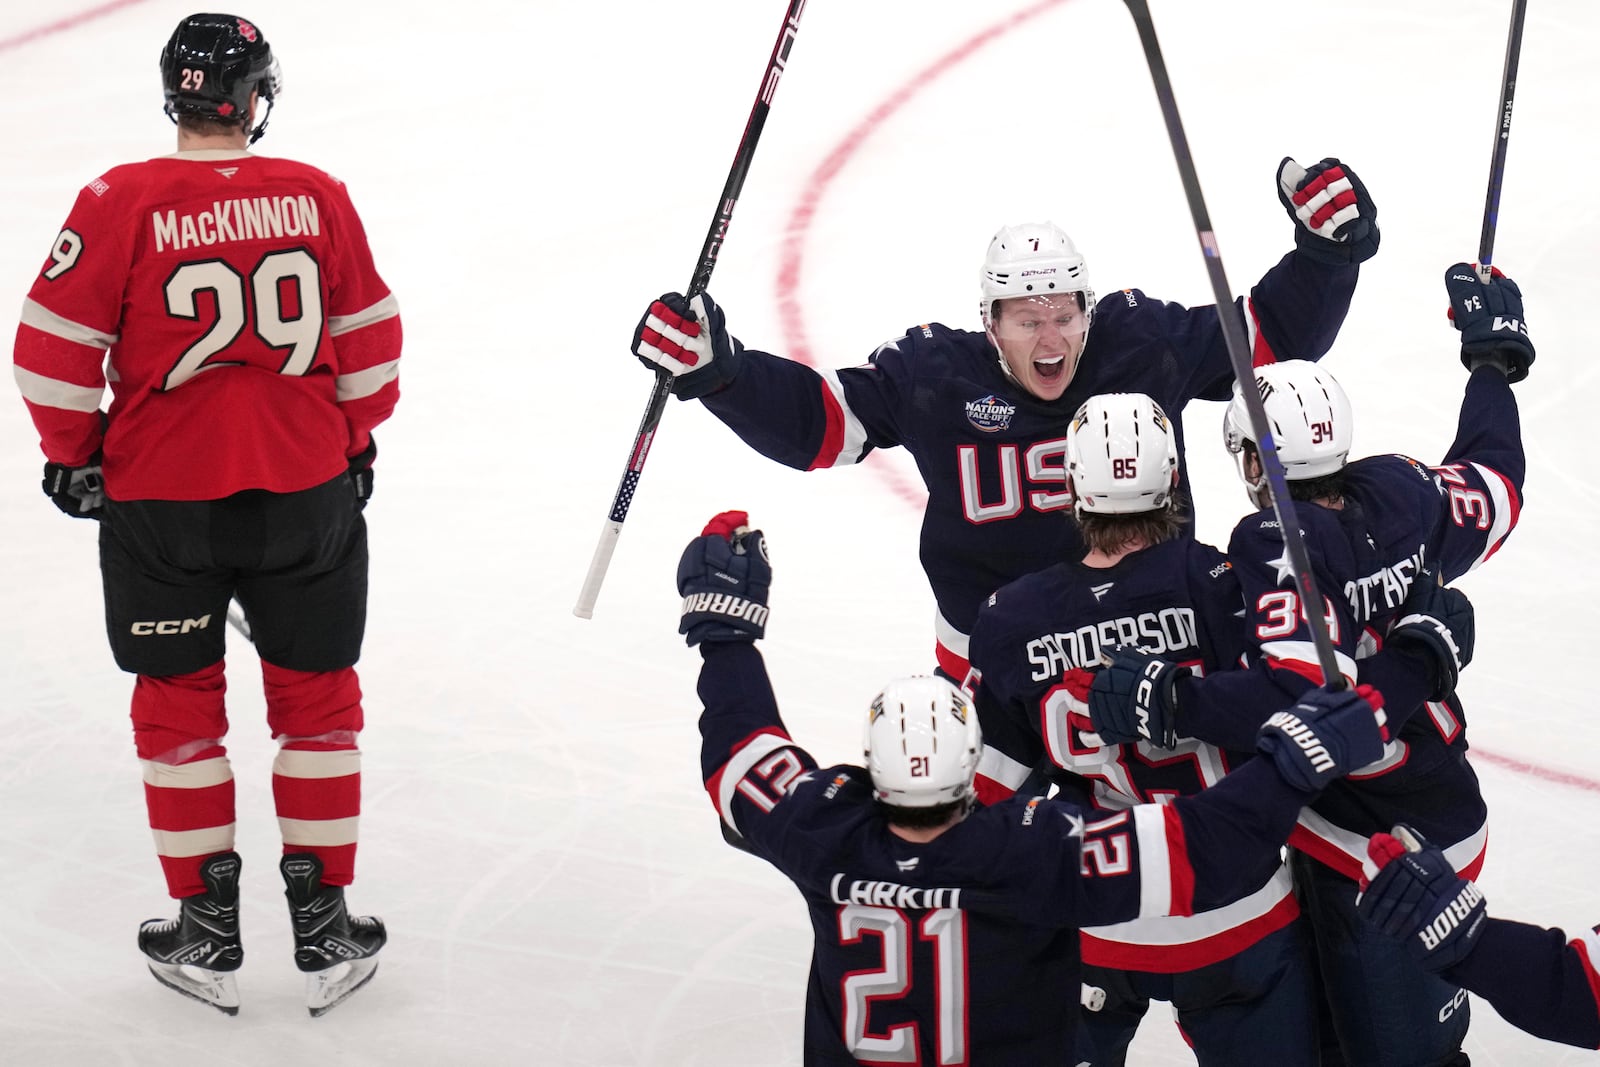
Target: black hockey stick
(1238, 351)
(1502, 134)
(697, 284)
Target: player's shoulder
(1019, 603)
(931, 341)
(1035, 817)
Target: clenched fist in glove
(1325, 736)
(1436, 623)
(77, 491)
(1338, 222)
(1490, 319)
(689, 339)
(1134, 698)
(1410, 891)
(723, 577)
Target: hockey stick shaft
(1238, 350)
(237, 620)
(1502, 135)
(707, 262)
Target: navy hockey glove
(1325, 736)
(1493, 329)
(1436, 623)
(1338, 222)
(77, 491)
(1410, 891)
(1133, 698)
(689, 339)
(723, 577)
(361, 472)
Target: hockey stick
(1238, 351)
(697, 284)
(1502, 134)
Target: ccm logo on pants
(169, 626)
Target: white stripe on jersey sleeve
(855, 434)
(54, 393)
(1501, 501)
(44, 320)
(1306, 652)
(946, 634)
(999, 767)
(357, 384)
(759, 748)
(387, 308)
(1155, 860)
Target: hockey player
(1537, 979)
(1237, 974)
(253, 347)
(1372, 528)
(984, 413)
(946, 933)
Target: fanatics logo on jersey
(98, 187)
(226, 172)
(991, 414)
(908, 865)
(1101, 590)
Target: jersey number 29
(260, 304)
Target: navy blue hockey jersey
(1537, 979)
(991, 455)
(1399, 516)
(963, 949)
(1179, 600)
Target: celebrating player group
(1031, 853)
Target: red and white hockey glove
(688, 339)
(1338, 222)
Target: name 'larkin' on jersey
(244, 219)
(876, 894)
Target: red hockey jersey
(252, 343)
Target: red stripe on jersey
(1261, 352)
(1589, 972)
(1325, 853)
(1182, 871)
(832, 431)
(1516, 510)
(714, 783)
(315, 799)
(1188, 956)
(189, 809)
(990, 791)
(1310, 671)
(950, 661)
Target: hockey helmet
(1032, 259)
(211, 65)
(922, 743)
(1122, 455)
(1308, 414)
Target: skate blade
(220, 989)
(326, 990)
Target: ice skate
(197, 953)
(337, 951)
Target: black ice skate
(197, 953)
(337, 950)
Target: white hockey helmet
(1032, 259)
(1122, 455)
(922, 743)
(1310, 418)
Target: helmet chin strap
(261, 127)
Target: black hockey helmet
(212, 63)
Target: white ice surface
(531, 173)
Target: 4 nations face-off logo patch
(990, 414)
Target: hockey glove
(1133, 699)
(1437, 624)
(1410, 891)
(1490, 319)
(688, 339)
(77, 491)
(361, 472)
(723, 577)
(1338, 222)
(1325, 736)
